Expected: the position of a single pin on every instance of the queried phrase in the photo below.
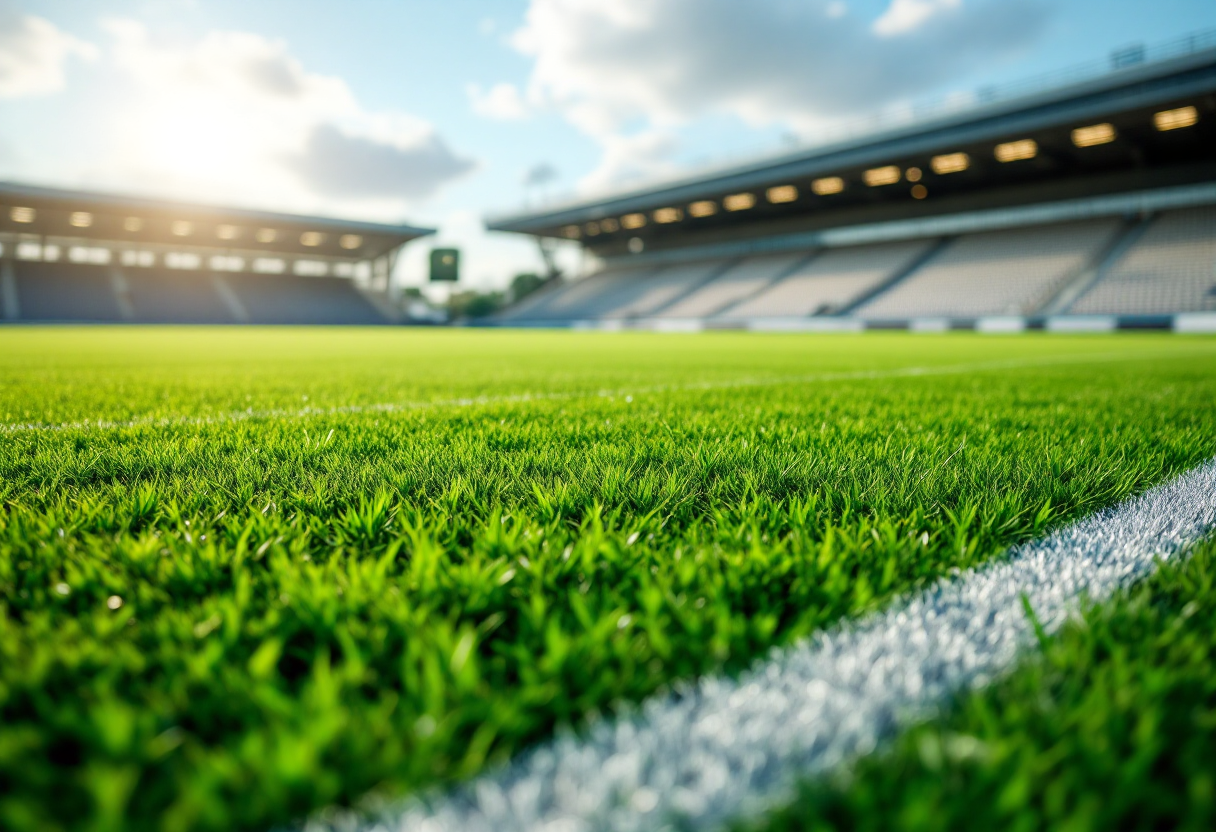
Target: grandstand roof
(1148, 122)
(32, 210)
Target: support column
(9, 301)
(122, 293)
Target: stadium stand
(53, 292)
(649, 296)
(997, 273)
(171, 296)
(82, 256)
(578, 300)
(832, 281)
(289, 299)
(1028, 209)
(738, 282)
(1171, 268)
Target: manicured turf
(292, 567)
(1112, 727)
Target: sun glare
(190, 142)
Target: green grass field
(1113, 727)
(248, 574)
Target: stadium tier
(282, 299)
(167, 296)
(1010, 272)
(1085, 205)
(1170, 268)
(82, 293)
(738, 282)
(75, 256)
(833, 281)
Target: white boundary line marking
(393, 407)
(721, 749)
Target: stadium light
(269, 265)
(350, 242)
(828, 185)
(739, 202)
(80, 219)
(610, 225)
(1094, 134)
(266, 235)
(182, 260)
(133, 224)
(571, 232)
(310, 268)
(227, 232)
(633, 220)
(781, 194)
(23, 214)
(138, 258)
(951, 163)
(913, 174)
(1016, 151)
(1175, 119)
(181, 228)
(668, 215)
(312, 239)
(226, 263)
(592, 229)
(703, 208)
(89, 254)
(887, 175)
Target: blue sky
(437, 112)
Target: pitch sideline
(722, 749)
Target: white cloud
(340, 165)
(632, 157)
(906, 15)
(33, 52)
(501, 102)
(647, 67)
(234, 116)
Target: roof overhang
(1140, 155)
(109, 218)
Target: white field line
(722, 749)
(392, 407)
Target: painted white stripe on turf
(394, 407)
(721, 749)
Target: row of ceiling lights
(185, 228)
(946, 163)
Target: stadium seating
(648, 297)
(1010, 272)
(65, 292)
(77, 292)
(1172, 268)
(831, 281)
(288, 299)
(173, 296)
(577, 300)
(740, 281)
